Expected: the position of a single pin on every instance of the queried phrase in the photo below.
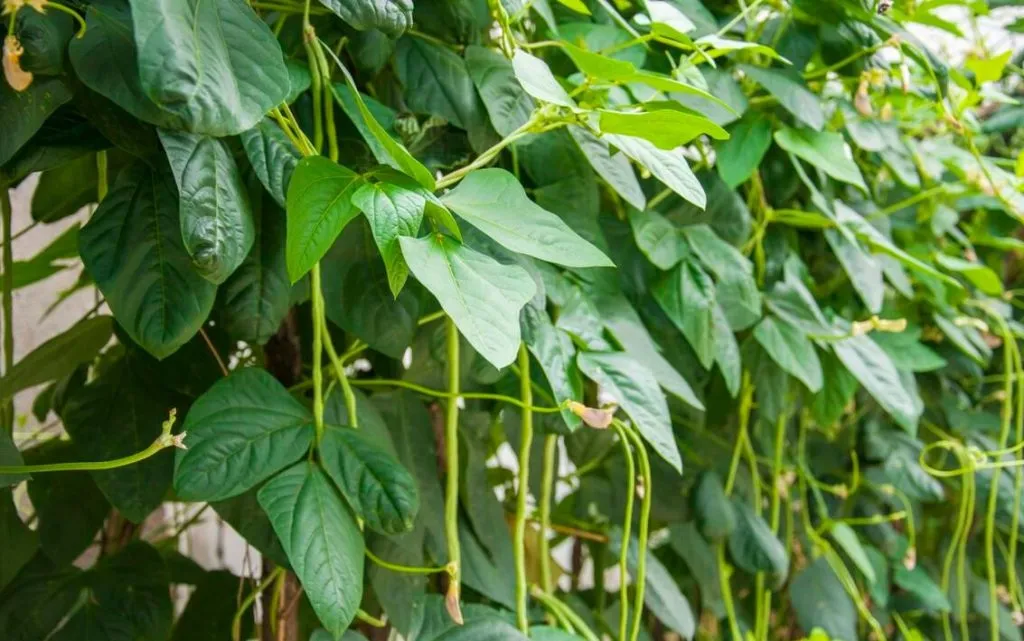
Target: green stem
(627, 525)
(557, 607)
(746, 403)
(907, 202)
(531, 126)
(645, 521)
(165, 440)
(236, 621)
(339, 373)
(8, 300)
(102, 180)
(309, 42)
(406, 569)
(74, 14)
(318, 333)
(370, 620)
(486, 396)
(451, 448)
(547, 486)
(724, 572)
(525, 445)
(328, 100)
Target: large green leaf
(482, 296)
(670, 167)
(273, 157)
(118, 414)
(536, 78)
(791, 350)
(493, 201)
(216, 66)
(392, 17)
(508, 106)
(255, 299)
(243, 430)
(736, 289)
(322, 540)
(739, 156)
(132, 248)
(106, 61)
(614, 168)
(754, 547)
(658, 238)
(716, 516)
(379, 488)
(555, 354)
(687, 295)
(394, 207)
(24, 112)
(19, 541)
(863, 270)
(825, 150)
(319, 206)
(58, 356)
(875, 371)
(634, 387)
(727, 350)
(820, 601)
(791, 92)
(64, 190)
(665, 128)
(9, 455)
(436, 82)
(215, 215)
(489, 629)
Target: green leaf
(19, 541)
(791, 350)
(716, 516)
(508, 106)
(489, 629)
(687, 294)
(216, 66)
(791, 92)
(216, 218)
(925, 590)
(244, 514)
(482, 296)
(717, 46)
(493, 201)
(739, 156)
(9, 455)
(319, 207)
(105, 60)
(117, 414)
(536, 78)
(436, 82)
(986, 280)
(699, 556)
(907, 352)
(754, 547)
(613, 168)
(598, 65)
(210, 610)
(555, 354)
(830, 403)
(670, 167)
(864, 272)
(392, 17)
(133, 250)
(255, 299)
(322, 540)
(634, 387)
(38, 600)
(240, 432)
(736, 289)
(64, 190)
(727, 351)
(59, 356)
(24, 112)
(825, 150)
(273, 157)
(666, 128)
(875, 371)
(385, 149)
(658, 238)
(669, 22)
(848, 541)
(820, 601)
(379, 489)
(394, 208)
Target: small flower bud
(596, 418)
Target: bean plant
(494, 320)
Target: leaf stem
(74, 14)
(451, 447)
(339, 373)
(165, 440)
(558, 608)
(369, 619)
(407, 569)
(487, 396)
(525, 446)
(547, 486)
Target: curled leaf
(17, 78)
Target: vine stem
(525, 445)
(318, 332)
(547, 486)
(236, 621)
(451, 498)
(485, 396)
(8, 299)
(561, 610)
(406, 569)
(339, 373)
(627, 525)
(645, 522)
(165, 440)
